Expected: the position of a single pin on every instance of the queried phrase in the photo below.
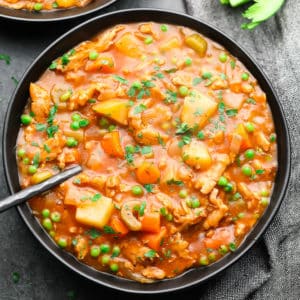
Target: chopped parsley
(36, 159)
(231, 112)
(146, 150)
(149, 187)
(52, 129)
(142, 208)
(47, 148)
(108, 230)
(96, 197)
(171, 97)
(150, 254)
(93, 233)
(139, 109)
(251, 101)
(174, 182)
(40, 127)
(6, 58)
(260, 171)
(120, 79)
(197, 80)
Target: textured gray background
(270, 270)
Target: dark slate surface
(269, 270)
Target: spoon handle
(34, 190)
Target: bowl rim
(43, 19)
(284, 179)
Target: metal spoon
(37, 189)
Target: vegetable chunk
(127, 44)
(197, 110)
(196, 155)
(115, 109)
(111, 144)
(95, 213)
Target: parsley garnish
(251, 101)
(120, 79)
(47, 148)
(146, 150)
(150, 254)
(231, 112)
(108, 230)
(171, 97)
(142, 208)
(139, 109)
(175, 182)
(197, 80)
(40, 127)
(149, 187)
(183, 128)
(36, 159)
(6, 58)
(93, 233)
(52, 129)
(96, 197)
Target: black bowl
(54, 15)
(86, 31)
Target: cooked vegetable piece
(151, 222)
(147, 173)
(111, 144)
(197, 110)
(95, 213)
(115, 109)
(128, 45)
(197, 43)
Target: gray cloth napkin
(271, 269)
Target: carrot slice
(154, 240)
(118, 226)
(147, 173)
(151, 222)
(111, 144)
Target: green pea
(212, 257)
(207, 75)
(75, 125)
(264, 193)
(32, 169)
(169, 217)
(45, 213)
(137, 85)
(52, 233)
(148, 40)
(65, 96)
(26, 119)
(223, 249)
(232, 247)
(250, 127)
(95, 251)
(228, 188)
(38, 6)
(236, 196)
(249, 154)
(105, 259)
(245, 76)
(240, 215)
(130, 149)
(183, 194)
(247, 170)
(93, 55)
(188, 202)
(47, 224)
(105, 248)
(137, 190)
(76, 117)
(116, 251)
(222, 181)
(164, 28)
(114, 267)
(21, 152)
(111, 128)
(264, 201)
(183, 90)
(203, 261)
(26, 161)
(62, 242)
(188, 61)
(71, 142)
(84, 123)
(223, 57)
(56, 216)
(195, 203)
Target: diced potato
(115, 109)
(197, 43)
(197, 110)
(95, 213)
(196, 155)
(241, 131)
(170, 44)
(40, 176)
(128, 45)
(66, 3)
(77, 134)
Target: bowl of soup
(183, 143)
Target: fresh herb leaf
(40, 127)
(260, 11)
(260, 171)
(231, 112)
(171, 97)
(183, 128)
(175, 182)
(142, 208)
(197, 80)
(148, 83)
(221, 107)
(36, 159)
(108, 230)
(93, 233)
(47, 148)
(251, 101)
(6, 58)
(120, 79)
(51, 130)
(149, 187)
(139, 109)
(150, 254)
(96, 197)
